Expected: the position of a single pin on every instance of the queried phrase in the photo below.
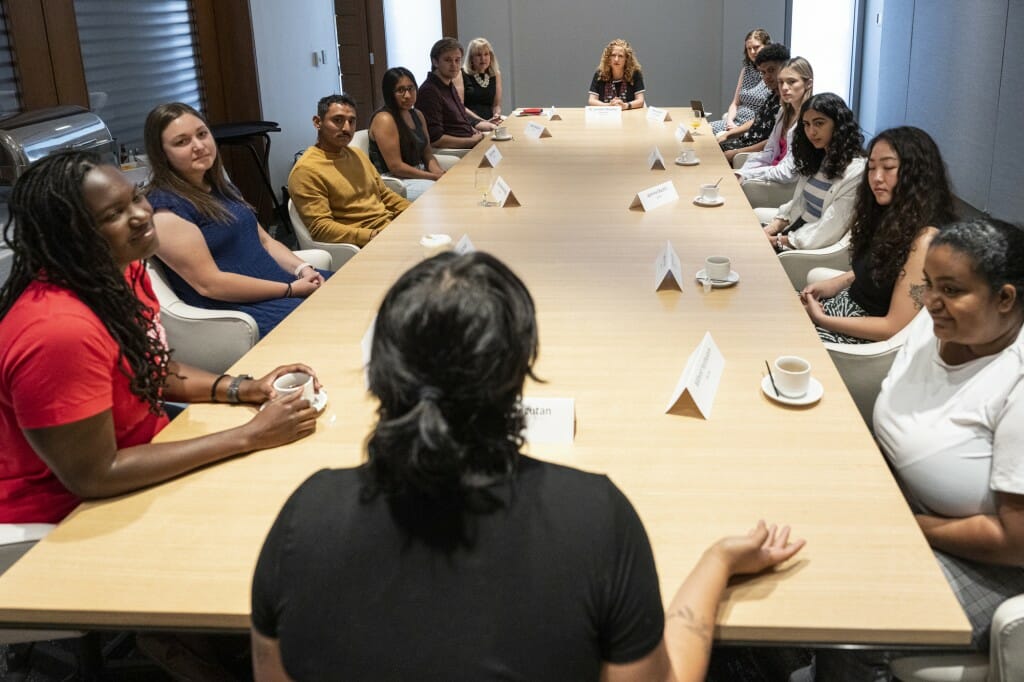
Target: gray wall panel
(954, 93)
(1006, 199)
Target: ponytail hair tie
(430, 393)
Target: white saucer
(719, 284)
(695, 162)
(501, 139)
(319, 401)
(814, 392)
(700, 202)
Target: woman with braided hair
(84, 367)
(450, 554)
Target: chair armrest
(210, 339)
(799, 263)
(394, 184)
(318, 258)
(451, 152)
(446, 161)
(821, 274)
(1006, 646)
(739, 159)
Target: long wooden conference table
(180, 555)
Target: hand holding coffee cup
(792, 375)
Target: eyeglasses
(405, 90)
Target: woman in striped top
(828, 155)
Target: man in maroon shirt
(448, 124)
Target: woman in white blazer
(829, 157)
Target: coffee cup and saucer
(791, 383)
(294, 382)
(717, 273)
(501, 134)
(709, 195)
(687, 157)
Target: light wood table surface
(180, 555)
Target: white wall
(411, 28)
(286, 35)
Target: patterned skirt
(841, 305)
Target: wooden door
(361, 53)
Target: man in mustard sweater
(336, 189)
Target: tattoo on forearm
(691, 622)
(917, 295)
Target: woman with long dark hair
(217, 254)
(828, 153)
(450, 553)
(902, 198)
(84, 366)
(399, 143)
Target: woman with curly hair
(477, 561)
(84, 366)
(903, 197)
(618, 81)
(829, 157)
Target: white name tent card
(658, 115)
(655, 161)
(464, 246)
(491, 158)
(700, 379)
(656, 196)
(607, 114)
(552, 114)
(502, 193)
(683, 134)
(550, 420)
(536, 131)
(668, 272)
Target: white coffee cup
(293, 382)
(501, 132)
(717, 267)
(792, 375)
(709, 192)
(688, 156)
(434, 244)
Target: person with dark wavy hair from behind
(828, 151)
(451, 555)
(902, 198)
(399, 146)
(84, 365)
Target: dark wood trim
(449, 19)
(227, 55)
(379, 48)
(66, 52)
(33, 67)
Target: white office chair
(340, 253)
(1004, 663)
(210, 339)
(799, 262)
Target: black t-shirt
(606, 91)
(558, 580)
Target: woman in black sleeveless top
(903, 197)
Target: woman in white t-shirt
(950, 420)
(950, 417)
